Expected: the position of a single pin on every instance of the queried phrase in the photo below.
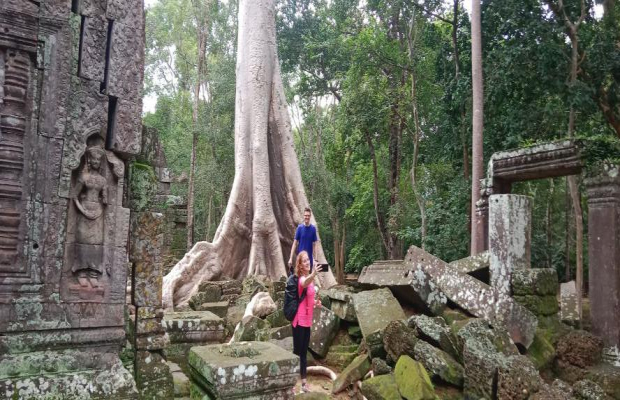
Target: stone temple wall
(71, 76)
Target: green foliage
(349, 70)
(142, 186)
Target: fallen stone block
(535, 281)
(375, 309)
(587, 390)
(382, 387)
(473, 264)
(193, 327)
(476, 297)
(153, 377)
(539, 305)
(412, 380)
(380, 367)
(414, 288)
(541, 351)
(340, 355)
(579, 348)
(439, 364)
(341, 303)
(247, 329)
(325, 325)
(208, 292)
(257, 370)
(435, 331)
(607, 377)
(481, 363)
(352, 373)
(219, 308)
(517, 379)
(399, 339)
(277, 319)
(179, 379)
(267, 334)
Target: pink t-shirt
(306, 306)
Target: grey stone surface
(409, 282)
(510, 231)
(472, 264)
(535, 281)
(399, 339)
(325, 325)
(569, 306)
(476, 297)
(435, 331)
(193, 327)
(439, 364)
(517, 379)
(341, 303)
(63, 259)
(352, 373)
(604, 253)
(375, 309)
(243, 370)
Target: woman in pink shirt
(303, 319)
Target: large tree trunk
(477, 170)
(267, 197)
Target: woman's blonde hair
(299, 261)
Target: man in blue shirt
(305, 240)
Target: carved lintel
(536, 162)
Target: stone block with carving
(257, 370)
(194, 327)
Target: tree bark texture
(477, 170)
(267, 198)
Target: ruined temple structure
(71, 74)
(603, 192)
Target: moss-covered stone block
(381, 387)
(541, 351)
(539, 305)
(352, 373)
(413, 380)
(535, 281)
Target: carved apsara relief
(95, 204)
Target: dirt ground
(322, 384)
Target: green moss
(413, 380)
(541, 351)
(381, 387)
(539, 305)
(143, 186)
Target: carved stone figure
(91, 198)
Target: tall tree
(477, 169)
(202, 29)
(267, 196)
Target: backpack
(292, 297)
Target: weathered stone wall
(70, 113)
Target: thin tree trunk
(202, 48)
(411, 40)
(341, 255)
(375, 195)
(567, 239)
(477, 124)
(572, 29)
(208, 222)
(548, 222)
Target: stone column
(604, 254)
(153, 377)
(481, 217)
(510, 231)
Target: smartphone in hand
(323, 267)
